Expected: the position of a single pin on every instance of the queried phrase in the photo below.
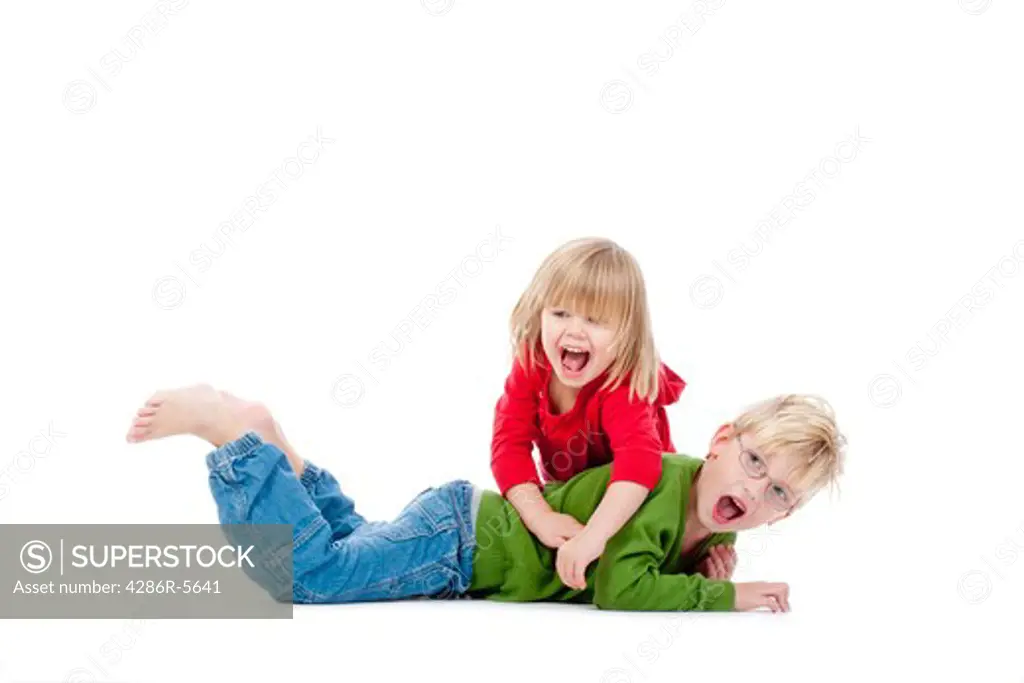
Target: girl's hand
(719, 563)
(575, 556)
(554, 529)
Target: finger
(780, 601)
(566, 580)
(579, 575)
(726, 560)
(563, 574)
(784, 598)
(719, 568)
(709, 564)
(774, 604)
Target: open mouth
(728, 509)
(574, 359)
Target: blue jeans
(338, 556)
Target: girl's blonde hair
(596, 278)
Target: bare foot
(200, 410)
(258, 418)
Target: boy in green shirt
(455, 540)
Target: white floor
(849, 639)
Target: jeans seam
(467, 535)
(391, 582)
(307, 533)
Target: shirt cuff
(629, 470)
(507, 481)
(722, 596)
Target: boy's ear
(722, 434)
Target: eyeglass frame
(772, 483)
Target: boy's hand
(553, 529)
(719, 563)
(757, 594)
(575, 556)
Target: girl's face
(578, 348)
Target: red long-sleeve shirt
(601, 423)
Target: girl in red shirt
(586, 385)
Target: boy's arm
(628, 577)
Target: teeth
(574, 349)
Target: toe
(136, 434)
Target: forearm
(618, 506)
(653, 591)
(513, 467)
(528, 501)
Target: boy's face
(578, 348)
(742, 487)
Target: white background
(673, 128)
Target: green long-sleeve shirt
(641, 568)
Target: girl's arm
(618, 506)
(551, 528)
(515, 431)
(620, 502)
(636, 445)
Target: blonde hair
(596, 278)
(804, 427)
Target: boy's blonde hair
(596, 278)
(804, 427)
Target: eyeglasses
(777, 495)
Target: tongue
(728, 509)
(575, 360)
